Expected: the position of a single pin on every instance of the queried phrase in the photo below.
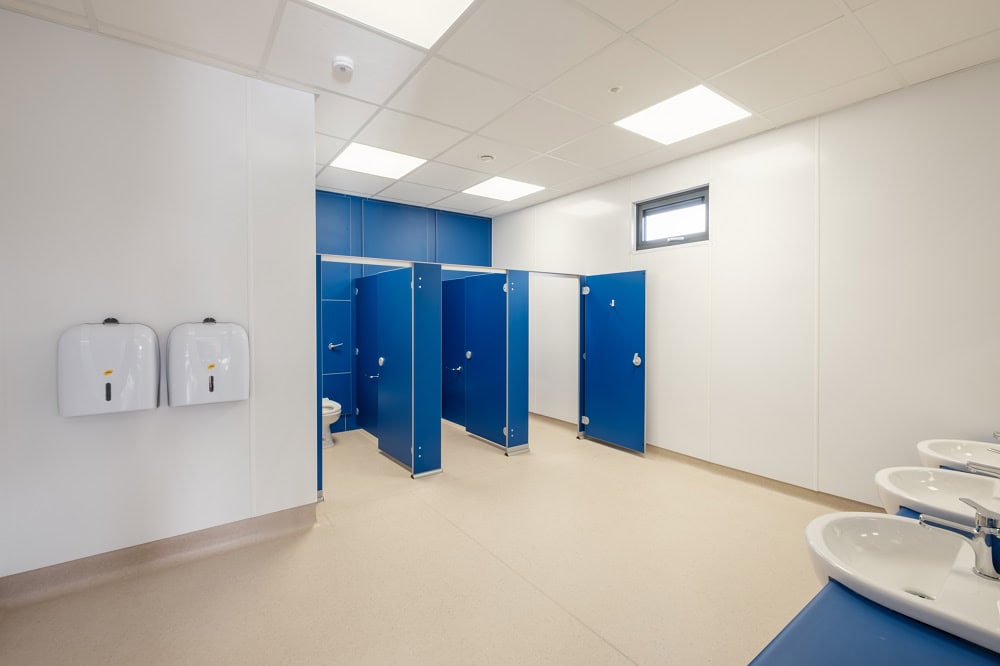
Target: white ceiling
(529, 81)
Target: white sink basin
(957, 452)
(936, 491)
(921, 572)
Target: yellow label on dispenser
(108, 372)
(211, 366)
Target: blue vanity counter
(840, 627)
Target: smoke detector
(343, 67)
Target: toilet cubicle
(485, 355)
(384, 338)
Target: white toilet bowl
(331, 412)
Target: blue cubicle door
(427, 378)
(485, 355)
(453, 351)
(614, 379)
(517, 361)
(394, 365)
(366, 337)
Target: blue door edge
(517, 371)
(581, 428)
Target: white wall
(845, 306)
(553, 344)
(139, 185)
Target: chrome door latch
(636, 360)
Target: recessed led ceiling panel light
(503, 189)
(682, 116)
(421, 23)
(375, 161)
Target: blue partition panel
(464, 239)
(841, 627)
(453, 351)
(366, 336)
(395, 349)
(333, 223)
(486, 370)
(426, 368)
(517, 358)
(615, 348)
(397, 231)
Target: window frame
(671, 200)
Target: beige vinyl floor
(574, 553)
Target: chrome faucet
(983, 469)
(982, 537)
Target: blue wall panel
(333, 223)
(426, 368)
(396, 231)
(453, 350)
(336, 330)
(336, 282)
(517, 358)
(464, 239)
(338, 387)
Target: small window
(672, 220)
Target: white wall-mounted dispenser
(207, 362)
(108, 367)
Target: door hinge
(584, 420)
(584, 356)
(357, 411)
(505, 431)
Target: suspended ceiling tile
(696, 144)
(342, 180)
(308, 39)
(327, 148)
(231, 30)
(466, 203)
(906, 29)
(710, 36)
(626, 14)
(454, 96)
(952, 58)
(413, 193)
(843, 95)
(409, 135)
(643, 76)
(858, 4)
(467, 155)
(341, 116)
(445, 176)
(539, 125)
(517, 204)
(527, 43)
(55, 12)
(545, 171)
(826, 58)
(41, 8)
(607, 145)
